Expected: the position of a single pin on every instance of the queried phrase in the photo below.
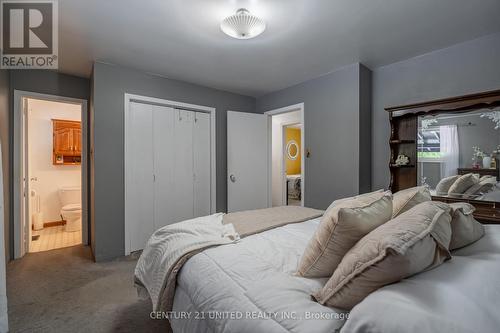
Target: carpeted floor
(65, 291)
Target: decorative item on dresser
(437, 137)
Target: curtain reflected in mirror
(458, 154)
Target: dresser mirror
(435, 143)
(454, 144)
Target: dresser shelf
(399, 142)
(394, 166)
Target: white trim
(4, 317)
(21, 237)
(283, 161)
(286, 109)
(164, 102)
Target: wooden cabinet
(77, 141)
(487, 212)
(67, 142)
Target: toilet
(71, 211)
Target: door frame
(176, 105)
(284, 184)
(21, 228)
(291, 108)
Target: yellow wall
(293, 167)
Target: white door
(247, 161)
(168, 169)
(164, 148)
(4, 327)
(140, 182)
(202, 165)
(25, 192)
(183, 166)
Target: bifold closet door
(168, 163)
(201, 164)
(140, 182)
(164, 149)
(183, 189)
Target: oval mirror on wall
(292, 150)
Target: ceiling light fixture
(243, 25)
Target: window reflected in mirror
(458, 154)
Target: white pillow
(444, 185)
(415, 241)
(465, 229)
(407, 199)
(463, 183)
(342, 225)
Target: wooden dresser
(487, 212)
(480, 172)
(404, 121)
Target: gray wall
(465, 68)
(4, 139)
(110, 83)
(335, 106)
(44, 82)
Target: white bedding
(254, 277)
(251, 278)
(462, 295)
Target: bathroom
(53, 152)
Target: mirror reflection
(458, 154)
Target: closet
(168, 168)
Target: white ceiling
(180, 39)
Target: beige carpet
(65, 291)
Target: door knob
(233, 178)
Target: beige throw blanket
(171, 246)
(255, 221)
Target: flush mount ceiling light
(243, 25)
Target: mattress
(250, 287)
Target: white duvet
(250, 287)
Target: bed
(250, 286)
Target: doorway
(287, 156)
(50, 185)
